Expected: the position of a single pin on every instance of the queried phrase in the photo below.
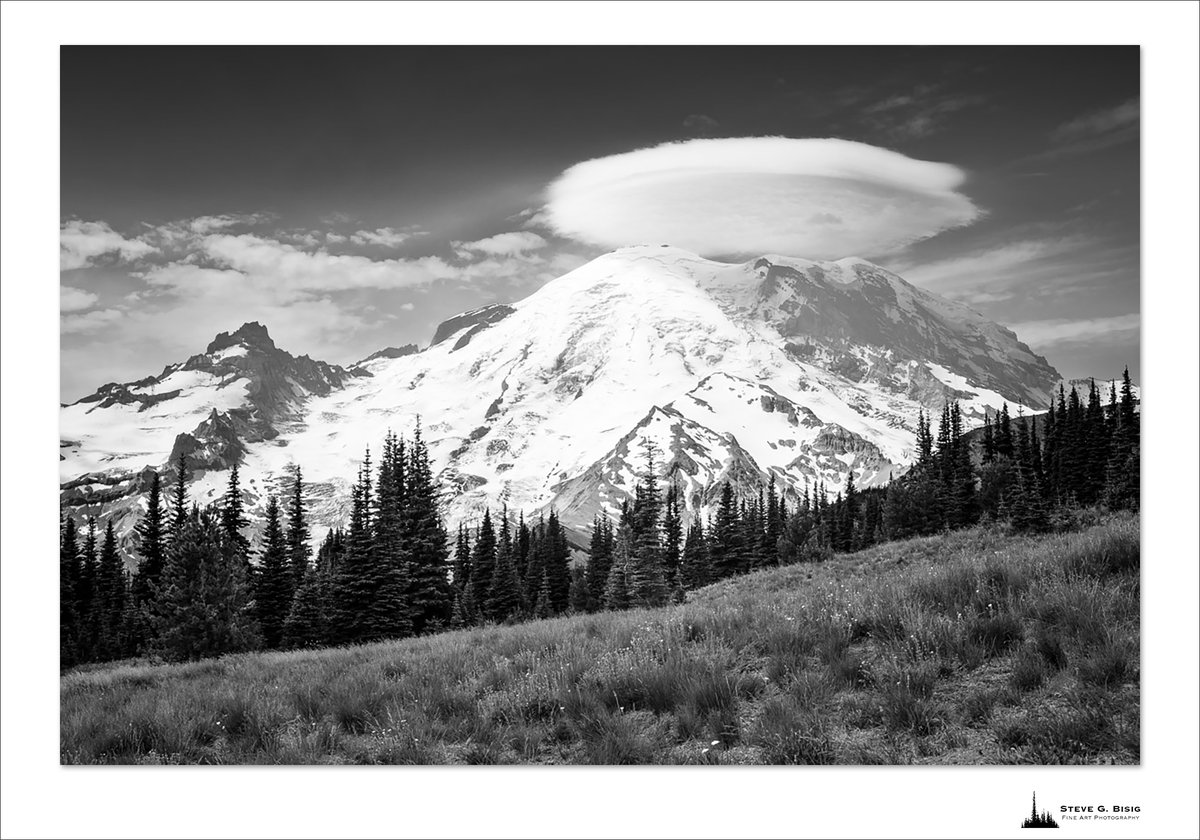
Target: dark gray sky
(352, 198)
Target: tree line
(1086, 454)
(197, 593)
(390, 572)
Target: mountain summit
(805, 371)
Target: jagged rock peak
(390, 353)
(251, 334)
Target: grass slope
(976, 647)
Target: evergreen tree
(1095, 441)
(695, 569)
(557, 564)
(354, 582)
(672, 534)
(963, 488)
(462, 560)
(776, 517)
(150, 537)
(391, 612)
(297, 530)
(233, 519)
(110, 595)
(1123, 485)
(989, 443)
(504, 595)
(726, 548)
(483, 561)
(179, 505)
(616, 590)
(522, 550)
(581, 599)
(599, 559)
(89, 607)
(203, 608)
(1003, 433)
(430, 595)
(68, 592)
(273, 584)
(848, 514)
(307, 622)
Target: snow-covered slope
(800, 369)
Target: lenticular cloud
(814, 198)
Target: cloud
(290, 271)
(71, 299)
(701, 125)
(333, 306)
(82, 243)
(208, 224)
(1099, 122)
(90, 321)
(756, 195)
(1059, 331)
(502, 244)
(1091, 132)
(385, 236)
(919, 113)
(981, 275)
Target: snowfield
(801, 370)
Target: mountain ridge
(782, 367)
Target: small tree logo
(1036, 820)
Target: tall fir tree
(483, 561)
(299, 552)
(695, 569)
(557, 564)
(391, 612)
(354, 582)
(110, 595)
(150, 537)
(233, 519)
(462, 560)
(203, 608)
(430, 597)
(726, 548)
(616, 589)
(672, 535)
(307, 622)
(504, 594)
(179, 500)
(274, 582)
(68, 592)
(89, 607)
(599, 559)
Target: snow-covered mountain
(787, 367)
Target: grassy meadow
(975, 647)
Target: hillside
(975, 647)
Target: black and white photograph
(560, 405)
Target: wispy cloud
(90, 321)
(1104, 121)
(83, 243)
(989, 273)
(700, 125)
(502, 244)
(1056, 332)
(71, 299)
(385, 236)
(1095, 130)
(914, 114)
